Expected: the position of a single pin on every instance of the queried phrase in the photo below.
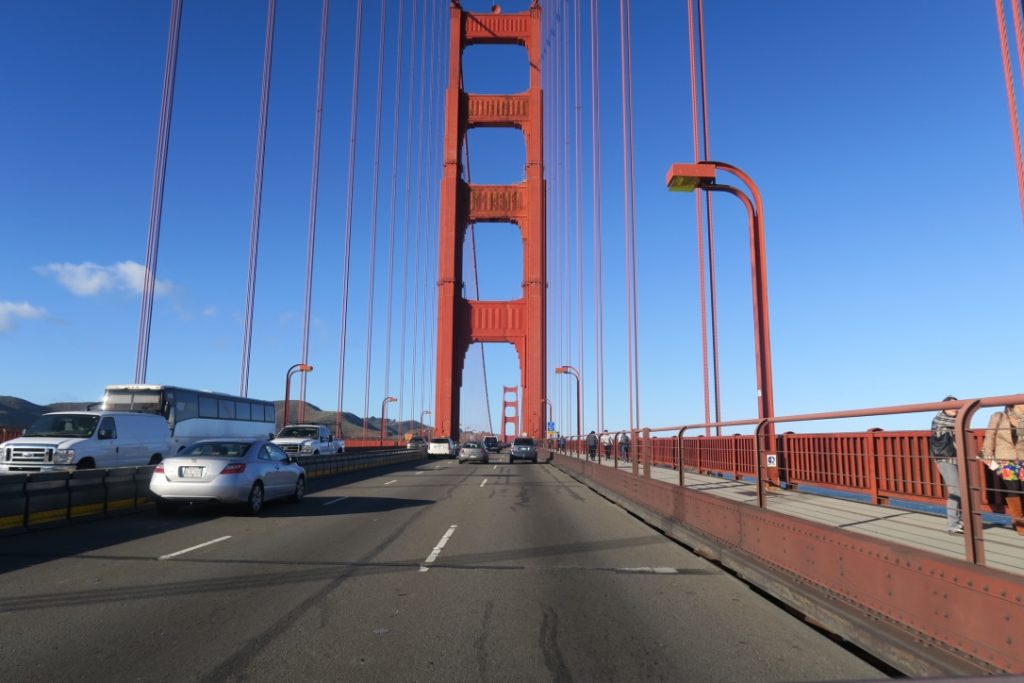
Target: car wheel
(155, 460)
(316, 452)
(255, 502)
(165, 507)
(300, 490)
(86, 464)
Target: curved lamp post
(298, 367)
(383, 416)
(570, 370)
(687, 178)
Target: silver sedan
(228, 471)
(473, 450)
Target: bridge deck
(916, 528)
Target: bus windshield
(138, 401)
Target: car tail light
(159, 469)
(234, 468)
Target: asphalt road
(430, 571)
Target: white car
(228, 471)
(308, 439)
(442, 447)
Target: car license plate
(191, 472)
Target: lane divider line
(195, 547)
(332, 502)
(390, 482)
(437, 549)
(495, 467)
(482, 483)
(419, 472)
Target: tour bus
(193, 414)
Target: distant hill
(17, 413)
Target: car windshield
(439, 441)
(64, 425)
(471, 444)
(217, 449)
(523, 442)
(490, 439)
(304, 432)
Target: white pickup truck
(308, 439)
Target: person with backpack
(942, 449)
(591, 445)
(624, 447)
(606, 443)
(1003, 452)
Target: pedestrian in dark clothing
(942, 427)
(624, 447)
(592, 446)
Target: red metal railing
(7, 433)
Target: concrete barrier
(40, 498)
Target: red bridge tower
(522, 321)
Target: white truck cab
(86, 440)
(308, 439)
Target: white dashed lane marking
(195, 547)
(437, 549)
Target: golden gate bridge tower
(522, 321)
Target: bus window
(227, 410)
(270, 413)
(207, 407)
(186, 405)
(242, 410)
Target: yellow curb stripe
(84, 510)
(10, 521)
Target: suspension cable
(433, 188)
(405, 232)
(373, 221)
(393, 210)
(630, 214)
(579, 207)
(347, 257)
(314, 187)
(700, 219)
(157, 199)
(1014, 120)
(257, 198)
(712, 278)
(595, 105)
(418, 252)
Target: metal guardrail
(36, 499)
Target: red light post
(383, 416)
(422, 415)
(298, 367)
(570, 370)
(688, 177)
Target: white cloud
(210, 312)
(10, 312)
(90, 279)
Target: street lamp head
(391, 399)
(688, 177)
(561, 370)
(305, 368)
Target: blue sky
(877, 132)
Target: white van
(84, 440)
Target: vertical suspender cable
(257, 197)
(700, 218)
(314, 186)
(373, 218)
(394, 204)
(346, 259)
(432, 188)
(630, 214)
(156, 206)
(712, 279)
(418, 251)
(405, 232)
(1014, 121)
(566, 209)
(579, 204)
(595, 105)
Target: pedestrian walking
(942, 449)
(591, 445)
(1003, 452)
(624, 446)
(606, 444)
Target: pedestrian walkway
(1004, 549)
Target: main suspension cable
(1011, 99)
(577, 170)
(595, 104)
(314, 187)
(257, 198)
